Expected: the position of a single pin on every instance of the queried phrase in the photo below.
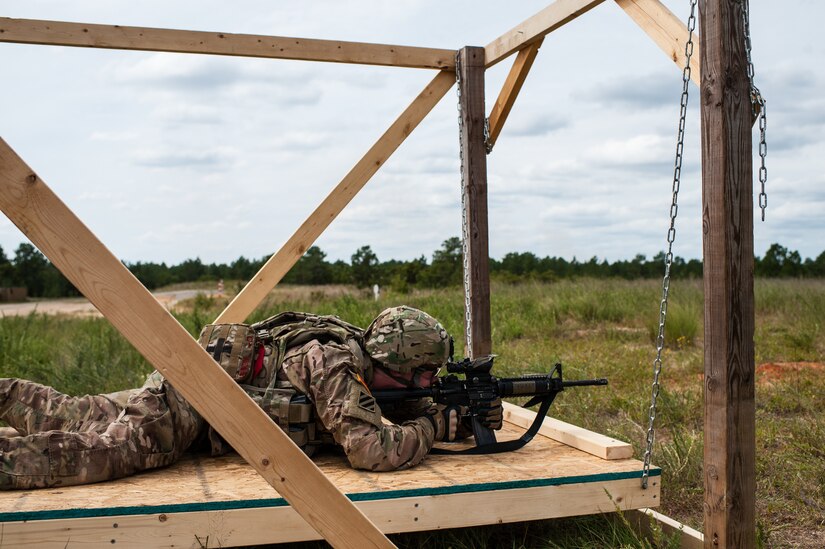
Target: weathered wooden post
(727, 224)
(470, 69)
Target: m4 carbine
(478, 388)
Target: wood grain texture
(595, 444)
(474, 164)
(643, 521)
(727, 210)
(511, 88)
(279, 264)
(129, 306)
(664, 28)
(536, 27)
(241, 527)
(60, 33)
(236, 507)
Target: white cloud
(206, 159)
(640, 149)
(187, 113)
(113, 136)
(583, 166)
(538, 125)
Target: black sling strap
(507, 445)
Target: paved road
(82, 307)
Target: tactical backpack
(253, 354)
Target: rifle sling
(507, 445)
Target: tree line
(31, 269)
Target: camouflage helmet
(403, 339)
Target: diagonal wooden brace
(510, 90)
(666, 30)
(279, 264)
(534, 28)
(129, 306)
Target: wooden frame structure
(728, 242)
(228, 504)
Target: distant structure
(376, 291)
(14, 293)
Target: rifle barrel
(531, 385)
(538, 385)
(585, 382)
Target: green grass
(592, 532)
(597, 328)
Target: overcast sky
(174, 156)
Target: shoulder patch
(362, 405)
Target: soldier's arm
(327, 373)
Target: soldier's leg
(31, 407)
(143, 437)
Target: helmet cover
(403, 339)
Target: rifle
(478, 388)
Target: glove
(445, 420)
(490, 414)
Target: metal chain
(671, 236)
(759, 107)
(488, 144)
(465, 230)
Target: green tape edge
(281, 502)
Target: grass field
(597, 329)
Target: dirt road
(82, 307)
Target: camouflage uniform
(78, 440)
(324, 358)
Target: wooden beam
(727, 223)
(59, 33)
(535, 28)
(108, 284)
(666, 30)
(511, 88)
(587, 441)
(643, 521)
(264, 526)
(280, 263)
(477, 328)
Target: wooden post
(727, 223)
(474, 176)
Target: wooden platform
(220, 502)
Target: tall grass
(76, 356)
(597, 328)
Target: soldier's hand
(446, 420)
(491, 414)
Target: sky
(168, 156)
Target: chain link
(759, 108)
(671, 236)
(488, 144)
(465, 229)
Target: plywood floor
(199, 487)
